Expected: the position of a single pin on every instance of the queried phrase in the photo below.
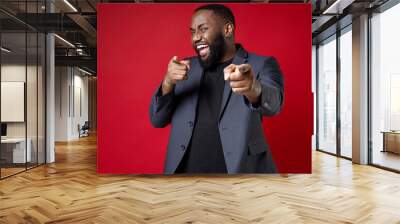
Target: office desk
(13, 150)
(391, 141)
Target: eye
(203, 29)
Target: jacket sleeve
(162, 108)
(272, 85)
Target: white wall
(61, 103)
(71, 92)
(16, 73)
(34, 126)
(79, 117)
(13, 73)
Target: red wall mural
(135, 43)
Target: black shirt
(205, 154)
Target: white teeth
(201, 46)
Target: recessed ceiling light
(65, 41)
(84, 71)
(5, 50)
(70, 5)
(338, 6)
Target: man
(215, 101)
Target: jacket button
(190, 123)
(183, 147)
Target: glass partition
(22, 77)
(41, 107)
(385, 88)
(327, 95)
(14, 154)
(32, 95)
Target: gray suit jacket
(244, 145)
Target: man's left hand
(243, 81)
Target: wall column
(360, 90)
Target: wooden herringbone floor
(70, 191)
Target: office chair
(84, 130)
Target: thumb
(186, 62)
(228, 70)
(244, 68)
(174, 59)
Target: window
(327, 95)
(346, 93)
(385, 88)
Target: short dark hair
(220, 10)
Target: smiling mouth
(202, 49)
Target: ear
(228, 30)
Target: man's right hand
(177, 71)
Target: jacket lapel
(197, 74)
(240, 58)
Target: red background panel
(135, 43)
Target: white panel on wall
(12, 101)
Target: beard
(217, 52)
